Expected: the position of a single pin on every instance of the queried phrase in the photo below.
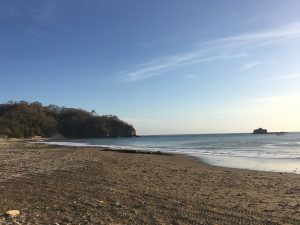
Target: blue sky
(165, 66)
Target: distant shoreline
(248, 163)
(284, 165)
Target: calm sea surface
(271, 152)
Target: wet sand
(75, 185)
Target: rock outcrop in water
(25, 120)
(260, 131)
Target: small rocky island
(260, 131)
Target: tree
(22, 119)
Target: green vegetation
(22, 119)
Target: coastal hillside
(25, 120)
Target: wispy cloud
(277, 99)
(286, 77)
(47, 12)
(220, 49)
(39, 13)
(161, 65)
(230, 112)
(140, 120)
(263, 100)
(190, 76)
(250, 66)
(261, 38)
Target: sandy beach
(75, 185)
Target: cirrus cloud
(227, 48)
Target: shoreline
(51, 184)
(232, 162)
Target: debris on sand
(12, 213)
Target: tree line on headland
(25, 120)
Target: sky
(164, 66)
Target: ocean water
(271, 152)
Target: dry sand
(67, 185)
